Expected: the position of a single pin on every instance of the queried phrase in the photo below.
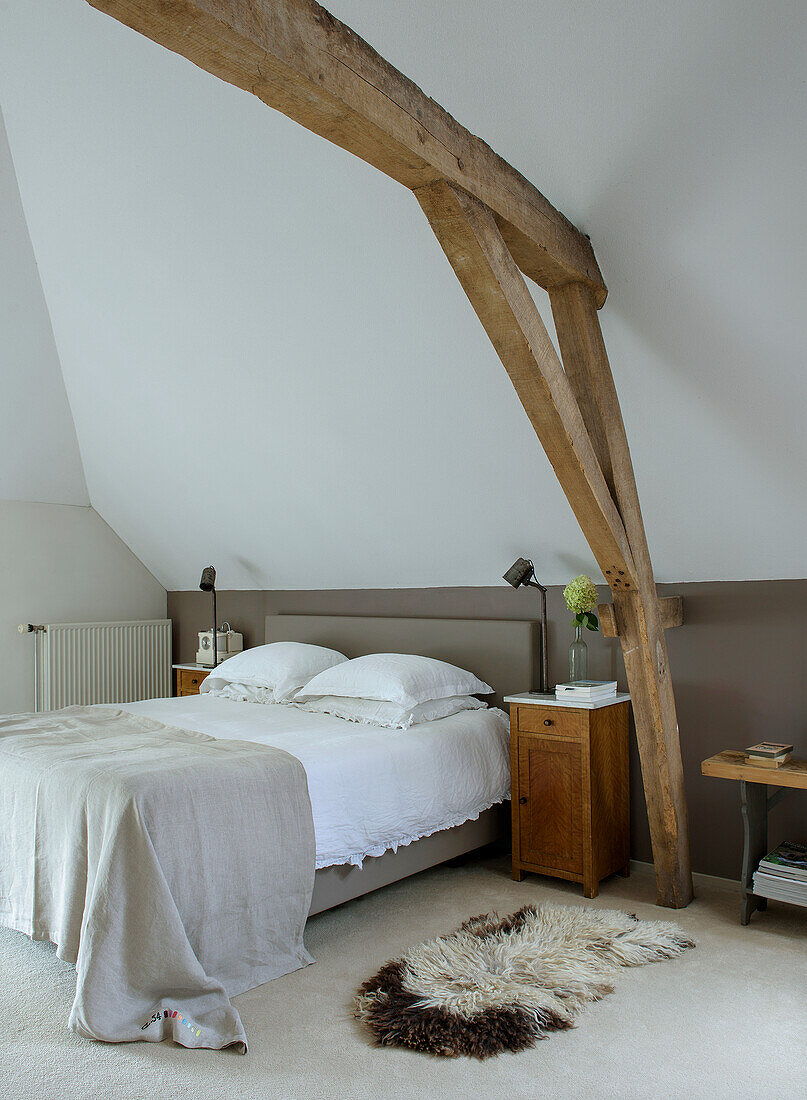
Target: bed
(221, 799)
(503, 652)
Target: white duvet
(371, 789)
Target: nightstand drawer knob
(523, 800)
(547, 721)
(194, 681)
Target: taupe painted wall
(739, 665)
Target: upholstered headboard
(502, 652)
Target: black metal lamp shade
(520, 572)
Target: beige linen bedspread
(172, 869)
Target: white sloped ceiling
(271, 366)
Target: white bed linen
(371, 789)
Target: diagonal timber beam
(299, 59)
(470, 238)
(468, 234)
(638, 613)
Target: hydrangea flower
(580, 595)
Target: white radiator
(84, 663)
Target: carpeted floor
(728, 1019)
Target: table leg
(754, 798)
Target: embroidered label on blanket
(170, 1014)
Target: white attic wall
(61, 565)
(60, 561)
(272, 367)
(39, 455)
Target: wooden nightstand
(189, 678)
(569, 777)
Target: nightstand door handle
(547, 721)
(523, 800)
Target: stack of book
(768, 754)
(588, 690)
(782, 874)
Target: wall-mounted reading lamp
(208, 584)
(522, 572)
(29, 628)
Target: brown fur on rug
(502, 983)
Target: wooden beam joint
(671, 609)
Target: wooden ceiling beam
(296, 57)
(470, 237)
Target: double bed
(173, 848)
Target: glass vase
(578, 656)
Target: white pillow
(243, 693)
(378, 712)
(282, 667)
(396, 678)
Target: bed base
(336, 885)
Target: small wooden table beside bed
(182, 843)
(755, 804)
(570, 787)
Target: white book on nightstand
(586, 689)
(536, 698)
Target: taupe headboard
(502, 652)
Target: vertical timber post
(638, 616)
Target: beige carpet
(728, 1019)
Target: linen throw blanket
(172, 869)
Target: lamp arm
(544, 656)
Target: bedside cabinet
(569, 779)
(189, 678)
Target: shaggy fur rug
(502, 983)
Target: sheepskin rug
(501, 983)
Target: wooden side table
(189, 678)
(570, 791)
(755, 802)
